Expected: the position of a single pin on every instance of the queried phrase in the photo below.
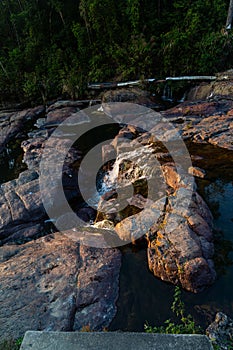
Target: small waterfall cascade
(133, 165)
(167, 93)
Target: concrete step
(112, 341)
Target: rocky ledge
(52, 281)
(208, 115)
(49, 281)
(162, 207)
(180, 237)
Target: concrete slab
(112, 341)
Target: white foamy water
(138, 164)
(139, 157)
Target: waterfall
(167, 93)
(130, 166)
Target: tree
(229, 15)
(50, 47)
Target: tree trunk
(229, 15)
(62, 18)
(4, 70)
(83, 13)
(159, 8)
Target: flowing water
(144, 298)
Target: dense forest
(54, 47)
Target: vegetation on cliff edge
(54, 47)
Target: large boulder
(221, 87)
(56, 284)
(132, 95)
(157, 200)
(181, 247)
(20, 206)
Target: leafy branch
(186, 324)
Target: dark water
(219, 297)
(11, 161)
(145, 298)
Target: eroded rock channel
(49, 280)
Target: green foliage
(48, 47)
(133, 12)
(30, 86)
(197, 38)
(11, 344)
(186, 323)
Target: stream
(11, 161)
(143, 297)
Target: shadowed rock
(220, 332)
(170, 214)
(14, 124)
(205, 122)
(53, 283)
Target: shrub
(186, 323)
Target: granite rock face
(208, 120)
(21, 207)
(21, 203)
(220, 332)
(54, 283)
(221, 87)
(132, 95)
(158, 200)
(98, 283)
(13, 124)
(51, 281)
(181, 247)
